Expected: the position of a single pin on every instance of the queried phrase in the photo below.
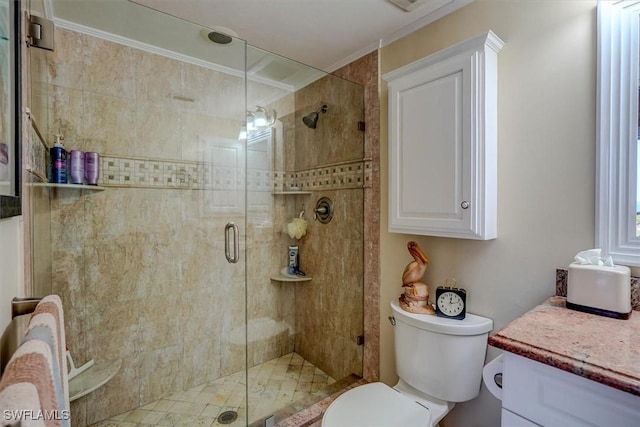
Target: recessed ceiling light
(219, 35)
(408, 5)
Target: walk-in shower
(141, 266)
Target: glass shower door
(179, 269)
(305, 206)
(141, 266)
(218, 222)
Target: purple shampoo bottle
(76, 167)
(92, 168)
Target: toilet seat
(375, 405)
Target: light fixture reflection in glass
(251, 121)
(257, 121)
(263, 117)
(243, 133)
(260, 117)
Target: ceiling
(324, 34)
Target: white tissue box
(600, 290)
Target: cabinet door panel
(431, 152)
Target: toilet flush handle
(497, 378)
(392, 320)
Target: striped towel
(19, 399)
(34, 389)
(52, 304)
(42, 327)
(30, 368)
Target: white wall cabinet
(443, 142)
(538, 394)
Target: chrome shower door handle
(236, 248)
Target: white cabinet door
(442, 142)
(551, 397)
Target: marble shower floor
(273, 385)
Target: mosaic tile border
(36, 153)
(174, 174)
(150, 173)
(340, 176)
(561, 287)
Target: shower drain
(227, 417)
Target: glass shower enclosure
(220, 259)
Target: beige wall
(11, 273)
(546, 168)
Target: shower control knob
(321, 210)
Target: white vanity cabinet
(510, 419)
(443, 142)
(537, 394)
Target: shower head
(311, 120)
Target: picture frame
(10, 108)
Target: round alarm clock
(451, 302)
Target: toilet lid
(373, 405)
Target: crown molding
(424, 21)
(404, 31)
(72, 26)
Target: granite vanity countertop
(599, 348)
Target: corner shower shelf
(294, 192)
(282, 278)
(69, 186)
(92, 379)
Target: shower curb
(307, 412)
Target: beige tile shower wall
(141, 270)
(151, 289)
(329, 309)
(336, 138)
(269, 303)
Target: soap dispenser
(58, 169)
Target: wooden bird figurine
(415, 297)
(415, 270)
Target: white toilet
(439, 362)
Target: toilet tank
(438, 356)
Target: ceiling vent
(408, 5)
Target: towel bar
(20, 306)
